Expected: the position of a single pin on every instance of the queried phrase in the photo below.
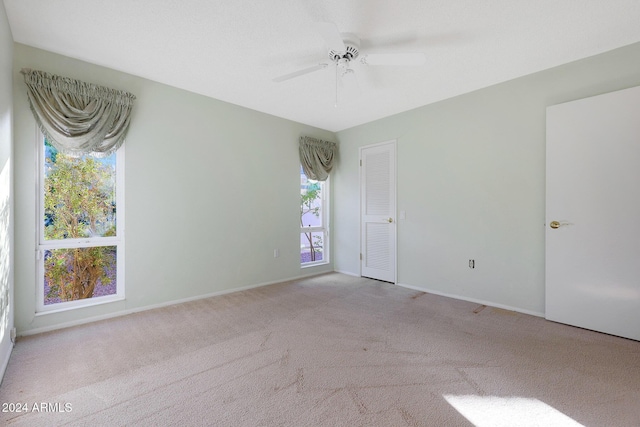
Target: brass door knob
(389, 220)
(554, 224)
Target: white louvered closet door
(378, 208)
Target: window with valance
(80, 192)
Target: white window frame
(324, 228)
(42, 245)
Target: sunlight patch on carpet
(508, 411)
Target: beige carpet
(332, 350)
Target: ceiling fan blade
(300, 73)
(393, 59)
(331, 36)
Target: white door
(593, 213)
(378, 207)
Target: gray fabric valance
(317, 157)
(77, 117)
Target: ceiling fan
(344, 48)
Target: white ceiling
(232, 49)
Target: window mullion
(311, 229)
(79, 243)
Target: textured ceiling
(232, 49)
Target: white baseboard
(348, 273)
(474, 300)
(160, 305)
(5, 361)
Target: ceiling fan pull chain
(336, 104)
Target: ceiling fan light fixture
(351, 51)
(343, 63)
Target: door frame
(394, 256)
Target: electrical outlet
(472, 263)
(276, 253)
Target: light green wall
(6, 190)
(471, 178)
(211, 190)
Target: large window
(81, 231)
(314, 236)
